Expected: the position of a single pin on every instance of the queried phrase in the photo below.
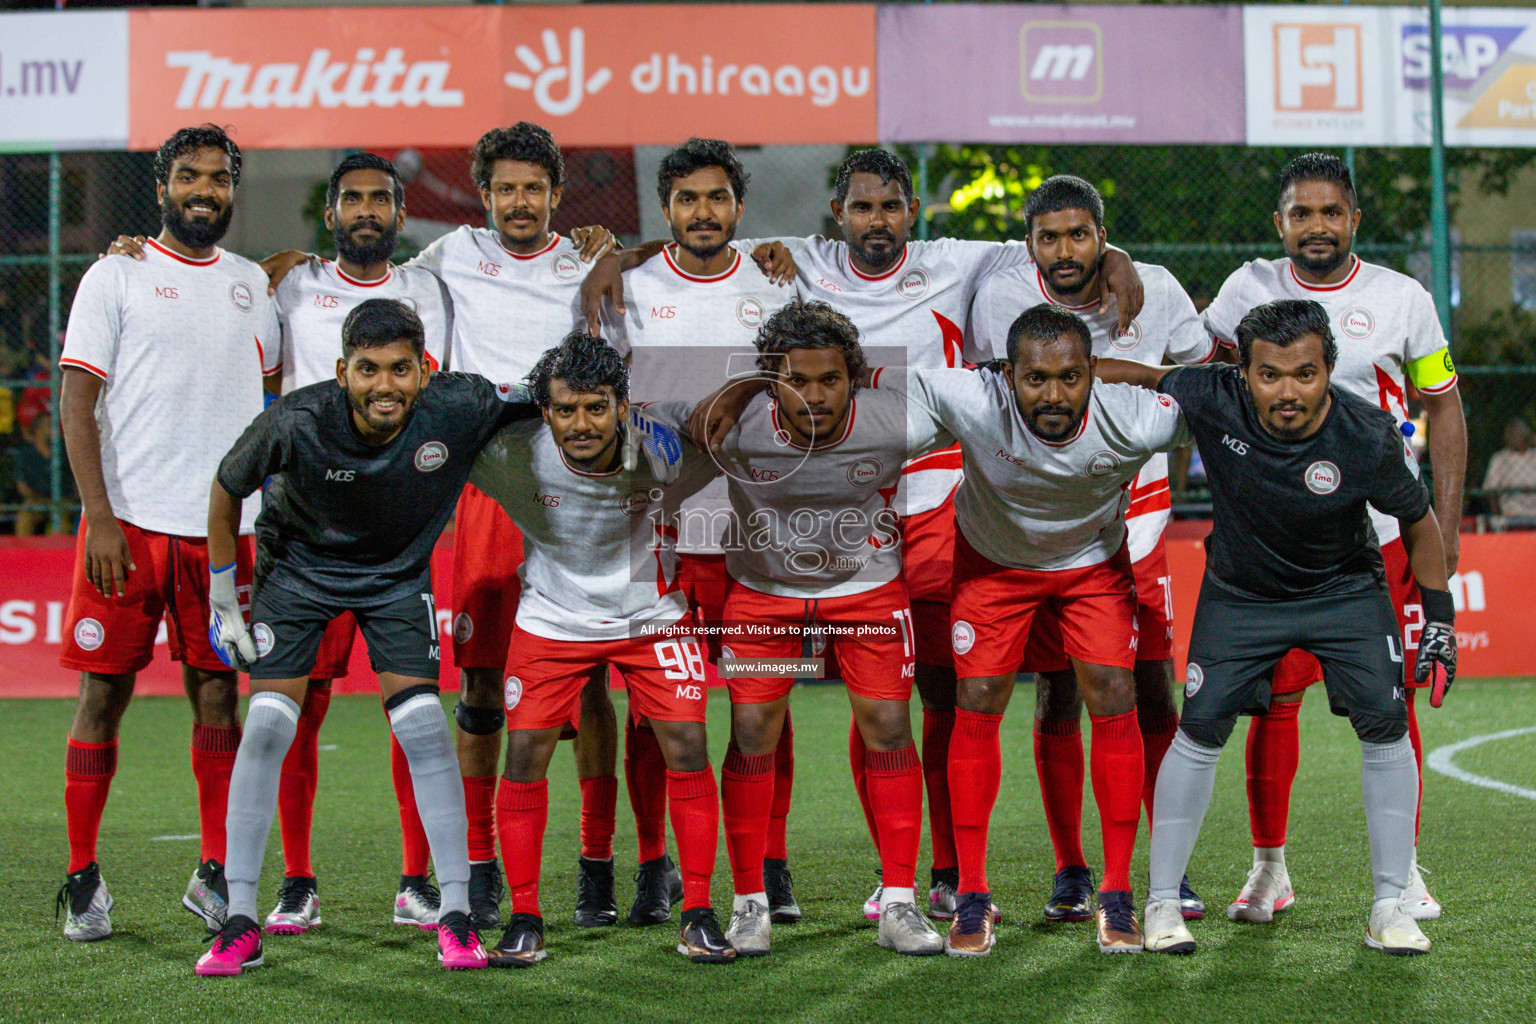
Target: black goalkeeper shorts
(401, 635)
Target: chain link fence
(1200, 211)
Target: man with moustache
(162, 369)
(1388, 338)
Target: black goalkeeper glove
(1437, 645)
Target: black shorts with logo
(1237, 641)
(401, 634)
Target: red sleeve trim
(1224, 343)
(1442, 388)
(874, 378)
(81, 364)
(1215, 347)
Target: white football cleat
(87, 905)
(903, 929)
(297, 910)
(1267, 892)
(418, 902)
(1416, 898)
(1393, 931)
(872, 905)
(1164, 930)
(749, 929)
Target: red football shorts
(335, 652)
(877, 665)
(928, 564)
(487, 550)
(994, 608)
(116, 635)
(1299, 670)
(1154, 619)
(665, 678)
(705, 583)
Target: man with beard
(1065, 221)
(1388, 336)
(162, 369)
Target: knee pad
(1208, 734)
(479, 721)
(1374, 728)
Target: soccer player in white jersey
(693, 308)
(1389, 337)
(600, 590)
(162, 369)
(1064, 218)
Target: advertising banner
(63, 81)
(1041, 73)
(620, 75)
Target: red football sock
(1418, 760)
(414, 849)
(895, 780)
(88, 771)
(480, 802)
(296, 788)
(937, 728)
(522, 813)
(783, 789)
(1274, 751)
(1059, 764)
(599, 797)
(746, 793)
(860, 784)
(213, 762)
(1115, 761)
(1156, 735)
(695, 804)
(975, 775)
(645, 778)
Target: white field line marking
(167, 839)
(1442, 760)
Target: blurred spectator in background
(32, 463)
(1512, 468)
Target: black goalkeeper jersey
(1290, 516)
(344, 519)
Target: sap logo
(1013, 460)
(1466, 51)
(763, 474)
(547, 500)
(166, 293)
(663, 312)
(1061, 61)
(327, 301)
(489, 269)
(690, 692)
(1240, 447)
(341, 475)
(1317, 67)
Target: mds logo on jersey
(1061, 61)
(1317, 67)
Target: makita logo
(366, 81)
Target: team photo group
(704, 466)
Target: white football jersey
(313, 301)
(1033, 504)
(1167, 328)
(920, 305)
(182, 346)
(507, 309)
(812, 523)
(1384, 323)
(598, 558)
(684, 335)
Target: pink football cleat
(235, 947)
(458, 945)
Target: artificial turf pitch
(1478, 844)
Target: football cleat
(1393, 930)
(522, 943)
(872, 905)
(236, 946)
(486, 888)
(1165, 930)
(298, 907)
(943, 893)
(1190, 903)
(1071, 896)
(674, 879)
(595, 907)
(207, 894)
(782, 908)
(86, 904)
(1116, 921)
(701, 939)
(418, 902)
(906, 931)
(1266, 893)
(971, 931)
(749, 929)
(458, 947)
(653, 896)
(1420, 904)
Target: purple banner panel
(1060, 73)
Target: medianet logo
(214, 82)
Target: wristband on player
(1438, 605)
